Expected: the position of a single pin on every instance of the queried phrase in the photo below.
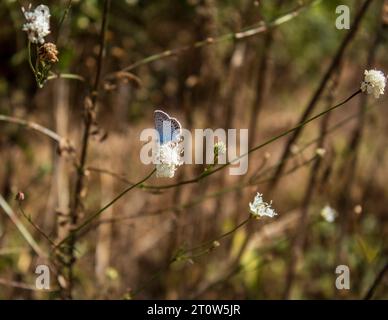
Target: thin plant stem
(70, 76)
(36, 227)
(84, 151)
(30, 60)
(180, 256)
(261, 81)
(63, 18)
(376, 282)
(21, 285)
(118, 176)
(32, 125)
(22, 229)
(98, 212)
(224, 235)
(299, 239)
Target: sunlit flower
(38, 23)
(168, 159)
(328, 213)
(373, 83)
(219, 148)
(259, 208)
(320, 152)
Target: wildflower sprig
(329, 214)
(45, 53)
(37, 23)
(374, 82)
(259, 208)
(219, 152)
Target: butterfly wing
(160, 118)
(176, 129)
(169, 129)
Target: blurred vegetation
(197, 86)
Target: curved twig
(22, 229)
(376, 282)
(248, 32)
(32, 125)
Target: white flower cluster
(38, 23)
(168, 159)
(259, 208)
(328, 213)
(374, 83)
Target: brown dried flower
(48, 52)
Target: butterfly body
(169, 128)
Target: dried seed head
(65, 147)
(48, 52)
(20, 196)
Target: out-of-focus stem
(32, 125)
(84, 150)
(22, 229)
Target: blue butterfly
(169, 128)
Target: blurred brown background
(263, 83)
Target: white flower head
(38, 23)
(329, 214)
(168, 159)
(259, 208)
(374, 82)
(219, 148)
(320, 152)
